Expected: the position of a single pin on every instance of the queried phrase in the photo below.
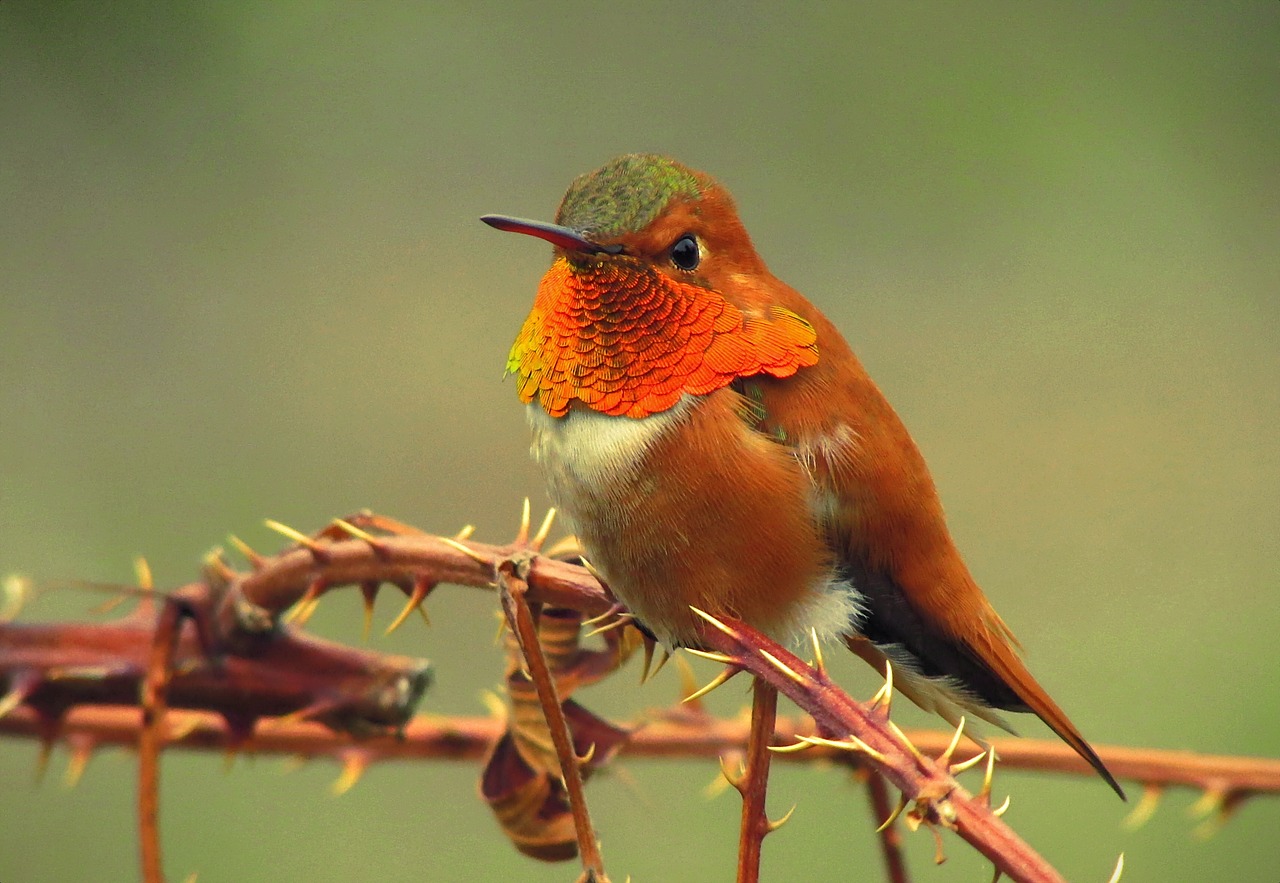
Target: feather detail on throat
(626, 340)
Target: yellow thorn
(494, 704)
(964, 766)
(590, 568)
(783, 667)
(591, 753)
(716, 786)
(465, 550)
(612, 611)
(715, 622)
(897, 731)
(945, 757)
(565, 547)
(415, 601)
(985, 794)
(623, 619)
(192, 877)
(1116, 874)
(885, 693)
(522, 535)
(688, 682)
(296, 535)
(247, 551)
(465, 533)
(818, 662)
(1210, 801)
(76, 765)
(773, 826)
(348, 528)
(707, 654)
(733, 778)
(1002, 808)
(791, 749)
(893, 816)
(353, 767)
(306, 605)
(13, 591)
(143, 571)
(183, 727)
(12, 700)
(1145, 809)
(666, 657)
(718, 680)
(852, 744)
(544, 530)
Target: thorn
(142, 570)
(790, 749)
(938, 855)
(565, 547)
(182, 727)
(42, 759)
(216, 564)
(707, 654)
(421, 588)
(995, 878)
(649, 644)
(465, 533)
(377, 545)
(716, 786)
(305, 606)
(897, 731)
(733, 778)
(255, 560)
(354, 764)
(465, 550)
(783, 667)
(728, 672)
(591, 568)
(14, 591)
(852, 744)
(623, 619)
(1210, 801)
(21, 685)
(818, 662)
(612, 611)
(945, 758)
(1116, 874)
(985, 794)
(543, 530)
(893, 816)
(688, 683)
(964, 766)
(1002, 808)
(1145, 809)
(586, 758)
(318, 551)
(715, 622)
(666, 657)
(81, 754)
(885, 693)
(770, 827)
(494, 704)
(522, 535)
(369, 596)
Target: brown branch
(521, 622)
(430, 737)
(753, 782)
(242, 664)
(883, 811)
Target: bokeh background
(241, 276)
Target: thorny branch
(240, 664)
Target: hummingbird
(718, 445)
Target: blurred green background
(241, 276)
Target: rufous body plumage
(718, 445)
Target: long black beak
(562, 237)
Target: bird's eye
(685, 254)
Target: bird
(718, 445)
